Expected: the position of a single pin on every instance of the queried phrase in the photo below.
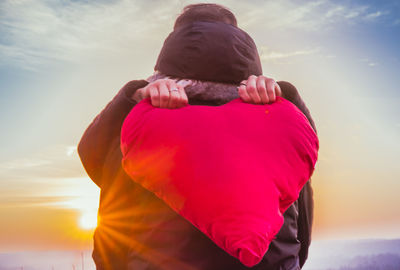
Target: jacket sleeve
(105, 129)
(290, 93)
(305, 201)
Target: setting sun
(82, 195)
(88, 221)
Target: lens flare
(88, 221)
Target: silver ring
(173, 89)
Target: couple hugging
(206, 164)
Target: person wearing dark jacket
(136, 230)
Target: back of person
(137, 230)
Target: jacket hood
(209, 51)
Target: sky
(61, 62)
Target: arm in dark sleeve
(105, 129)
(306, 202)
(290, 93)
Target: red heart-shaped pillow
(231, 170)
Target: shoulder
(130, 87)
(285, 84)
(133, 85)
(289, 91)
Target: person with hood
(137, 230)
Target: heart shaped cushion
(231, 170)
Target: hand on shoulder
(259, 90)
(164, 93)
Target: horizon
(353, 254)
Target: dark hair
(205, 12)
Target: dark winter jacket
(136, 229)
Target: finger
(271, 89)
(262, 89)
(164, 94)
(252, 89)
(183, 97)
(145, 93)
(174, 96)
(243, 94)
(184, 83)
(278, 91)
(138, 95)
(174, 99)
(155, 96)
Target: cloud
(31, 201)
(369, 62)
(57, 161)
(282, 15)
(36, 33)
(307, 16)
(39, 33)
(266, 54)
(78, 193)
(53, 177)
(374, 15)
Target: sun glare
(82, 195)
(88, 221)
